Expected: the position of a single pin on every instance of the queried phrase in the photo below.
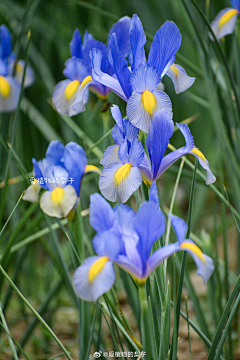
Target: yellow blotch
(194, 248)
(71, 89)
(97, 267)
(175, 70)
(4, 87)
(57, 195)
(92, 168)
(198, 153)
(86, 81)
(19, 67)
(149, 102)
(122, 172)
(226, 17)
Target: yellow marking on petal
(19, 67)
(92, 168)
(226, 17)
(198, 153)
(86, 81)
(122, 172)
(4, 87)
(175, 70)
(194, 248)
(149, 102)
(71, 89)
(57, 195)
(97, 267)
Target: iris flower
(126, 165)
(126, 238)
(139, 85)
(78, 68)
(60, 173)
(121, 176)
(11, 73)
(157, 142)
(225, 20)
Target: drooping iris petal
(59, 201)
(76, 45)
(118, 181)
(32, 192)
(180, 78)
(101, 214)
(75, 69)
(75, 162)
(120, 66)
(137, 40)
(160, 255)
(141, 108)
(64, 95)
(224, 22)
(93, 278)
(204, 263)
(170, 158)
(165, 44)
(9, 93)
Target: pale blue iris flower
(126, 238)
(225, 20)
(126, 165)
(78, 69)
(11, 73)
(139, 84)
(60, 173)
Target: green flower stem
(147, 332)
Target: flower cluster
(78, 68)
(125, 238)
(11, 72)
(68, 163)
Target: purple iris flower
(125, 238)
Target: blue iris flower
(126, 164)
(60, 173)
(139, 84)
(225, 20)
(126, 238)
(11, 73)
(78, 69)
(157, 142)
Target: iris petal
(180, 78)
(224, 22)
(137, 40)
(9, 97)
(119, 188)
(61, 206)
(165, 44)
(103, 281)
(138, 115)
(101, 213)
